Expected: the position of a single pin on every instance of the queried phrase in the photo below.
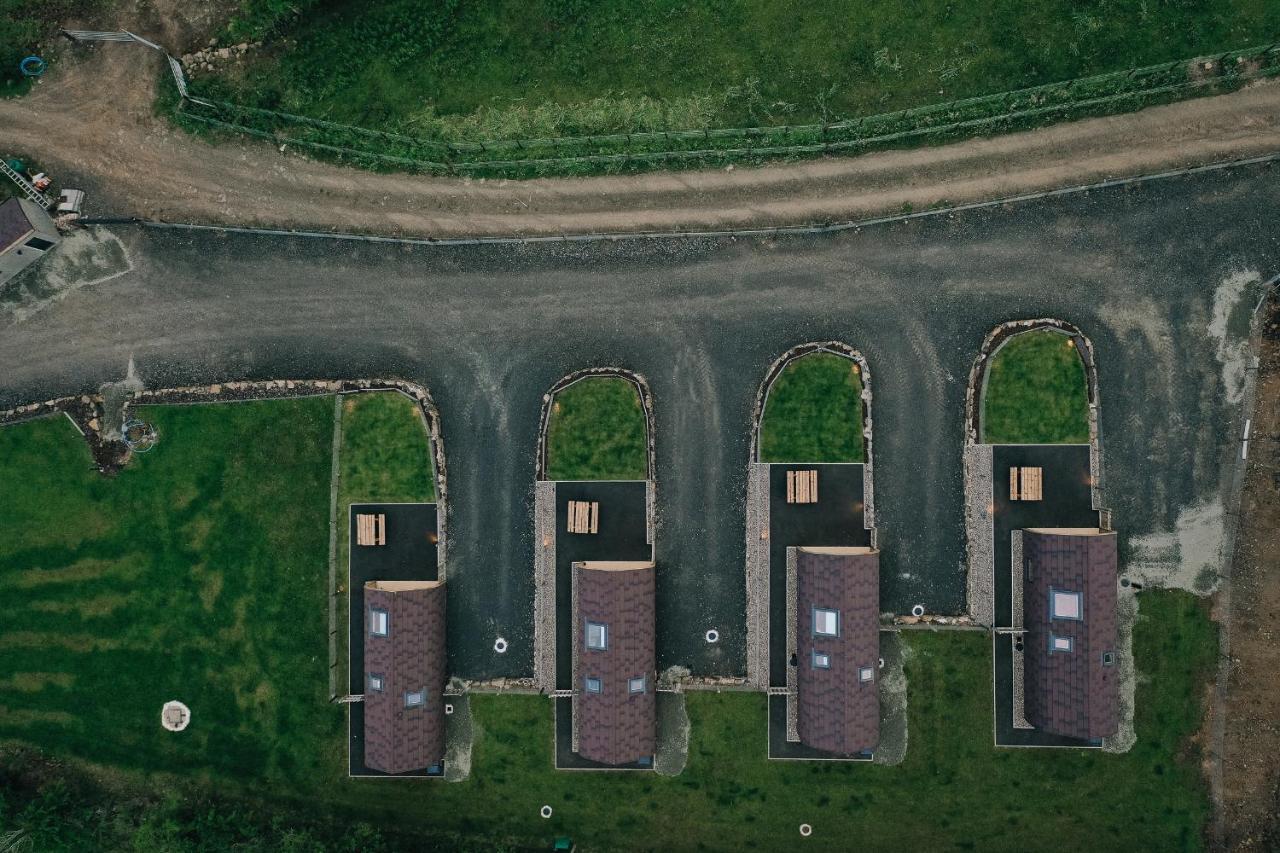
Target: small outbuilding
(27, 234)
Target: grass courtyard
(532, 68)
(1036, 392)
(199, 572)
(814, 412)
(597, 432)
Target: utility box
(27, 234)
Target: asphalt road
(489, 329)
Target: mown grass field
(530, 68)
(386, 453)
(814, 412)
(1036, 392)
(198, 573)
(597, 432)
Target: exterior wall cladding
(836, 710)
(616, 726)
(1071, 693)
(410, 658)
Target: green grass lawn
(198, 574)
(597, 432)
(386, 451)
(1036, 392)
(528, 68)
(814, 412)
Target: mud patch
(893, 700)
(85, 257)
(673, 735)
(1188, 557)
(1229, 328)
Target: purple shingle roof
(14, 224)
(1071, 686)
(615, 726)
(411, 658)
(837, 710)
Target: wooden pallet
(584, 516)
(802, 487)
(1026, 484)
(371, 529)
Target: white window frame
(1055, 595)
(381, 683)
(374, 613)
(866, 673)
(421, 697)
(604, 636)
(825, 663)
(1056, 639)
(599, 684)
(835, 614)
(643, 682)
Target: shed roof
(837, 709)
(15, 225)
(615, 726)
(411, 658)
(1071, 680)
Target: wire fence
(1101, 94)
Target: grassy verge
(28, 26)
(196, 574)
(1036, 392)
(597, 432)
(386, 451)
(814, 412)
(532, 68)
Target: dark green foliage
(1036, 392)
(814, 412)
(25, 27)
(597, 432)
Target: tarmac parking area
(1162, 277)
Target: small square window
(415, 698)
(1060, 644)
(1065, 605)
(379, 622)
(597, 636)
(594, 685)
(821, 660)
(376, 683)
(636, 685)
(826, 623)
(1108, 658)
(866, 673)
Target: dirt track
(1251, 769)
(92, 123)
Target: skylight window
(826, 623)
(1060, 644)
(866, 673)
(821, 660)
(415, 698)
(1065, 605)
(597, 636)
(594, 685)
(376, 683)
(636, 685)
(379, 622)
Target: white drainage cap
(713, 636)
(448, 708)
(545, 811)
(175, 716)
(500, 646)
(917, 610)
(806, 830)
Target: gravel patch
(673, 734)
(979, 497)
(892, 748)
(793, 733)
(459, 733)
(758, 575)
(1126, 671)
(544, 588)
